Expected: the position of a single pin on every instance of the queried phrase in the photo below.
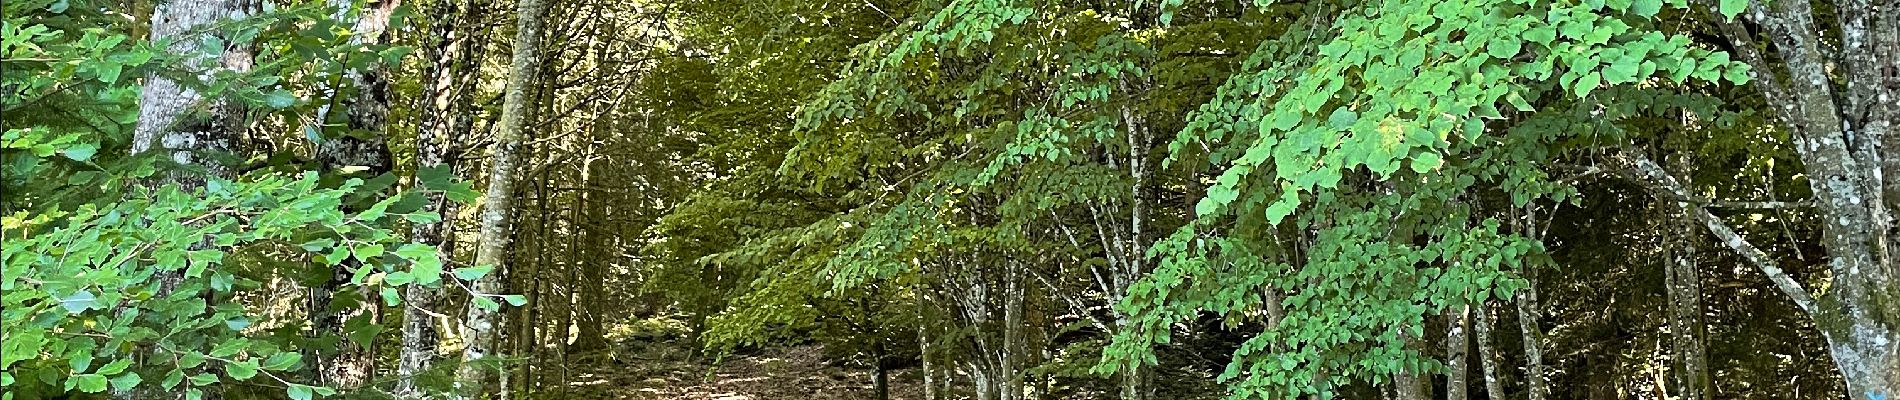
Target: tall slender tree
(451, 51)
(478, 327)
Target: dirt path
(789, 373)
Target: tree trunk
(496, 227)
(1488, 355)
(167, 123)
(1457, 345)
(1526, 300)
(349, 364)
(1684, 287)
(446, 116)
(880, 376)
(1845, 139)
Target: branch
(1667, 188)
(1765, 79)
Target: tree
(452, 51)
(1840, 131)
(496, 220)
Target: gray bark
(1487, 355)
(1843, 135)
(1526, 300)
(174, 117)
(1684, 286)
(452, 55)
(496, 227)
(350, 365)
(1457, 345)
(184, 125)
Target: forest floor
(665, 371)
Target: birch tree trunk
(1526, 300)
(1457, 345)
(1488, 355)
(496, 228)
(451, 55)
(1684, 287)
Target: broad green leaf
(126, 382)
(473, 273)
(241, 370)
(89, 383)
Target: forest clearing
(950, 199)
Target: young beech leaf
(126, 382)
(473, 273)
(241, 370)
(89, 383)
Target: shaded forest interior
(951, 199)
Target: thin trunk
(1457, 345)
(880, 376)
(1684, 286)
(446, 116)
(1009, 356)
(495, 223)
(923, 345)
(1488, 355)
(1526, 300)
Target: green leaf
(241, 370)
(515, 299)
(89, 383)
(203, 378)
(1342, 118)
(280, 99)
(1586, 83)
(1504, 47)
(1731, 8)
(230, 347)
(368, 251)
(126, 382)
(427, 267)
(390, 298)
(283, 361)
(473, 273)
(1646, 8)
(78, 302)
(299, 392)
(114, 367)
(485, 303)
(399, 278)
(1426, 161)
(81, 151)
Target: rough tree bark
(365, 109)
(186, 126)
(496, 227)
(446, 116)
(1684, 286)
(1526, 301)
(1457, 345)
(1487, 354)
(1843, 136)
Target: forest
(950, 199)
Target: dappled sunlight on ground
(784, 373)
